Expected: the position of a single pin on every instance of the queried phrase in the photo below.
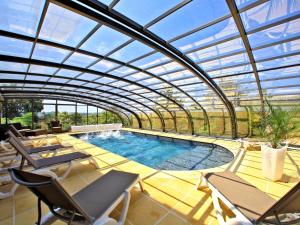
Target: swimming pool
(161, 152)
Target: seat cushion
(98, 196)
(249, 200)
(44, 148)
(60, 159)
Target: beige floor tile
(145, 212)
(172, 219)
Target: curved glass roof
(152, 57)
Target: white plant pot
(273, 162)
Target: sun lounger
(248, 203)
(45, 165)
(91, 205)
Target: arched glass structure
(186, 66)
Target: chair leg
(201, 183)
(141, 186)
(125, 208)
(11, 192)
(218, 208)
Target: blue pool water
(160, 152)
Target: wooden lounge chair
(249, 204)
(45, 165)
(18, 134)
(91, 205)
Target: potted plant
(277, 124)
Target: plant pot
(273, 162)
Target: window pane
(151, 60)
(218, 50)
(104, 66)
(15, 47)
(270, 11)
(192, 15)
(49, 53)
(10, 66)
(131, 51)
(39, 78)
(58, 80)
(20, 16)
(277, 50)
(67, 73)
(211, 34)
(42, 69)
(104, 41)
(88, 76)
(122, 71)
(64, 26)
(144, 11)
(276, 33)
(80, 60)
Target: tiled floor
(170, 197)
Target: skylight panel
(104, 66)
(49, 53)
(190, 16)
(131, 51)
(209, 35)
(80, 60)
(42, 69)
(15, 47)
(21, 16)
(11, 66)
(64, 26)
(151, 60)
(104, 40)
(144, 11)
(269, 12)
(67, 73)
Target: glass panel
(178, 75)
(280, 73)
(151, 60)
(131, 51)
(276, 33)
(104, 41)
(67, 73)
(281, 83)
(104, 66)
(209, 35)
(231, 70)
(20, 16)
(11, 66)
(268, 12)
(169, 67)
(243, 3)
(88, 76)
(226, 61)
(122, 71)
(76, 82)
(105, 80)
(189, 17)
(39, 78)
(279, 62)
(49, 53)
(235, 45)
(15, 47)
(137, 76)
(58, 80)
(11, 76)
(144, 11)
(42, 69)
(80, 60)
(277, 50)
(64, 26)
